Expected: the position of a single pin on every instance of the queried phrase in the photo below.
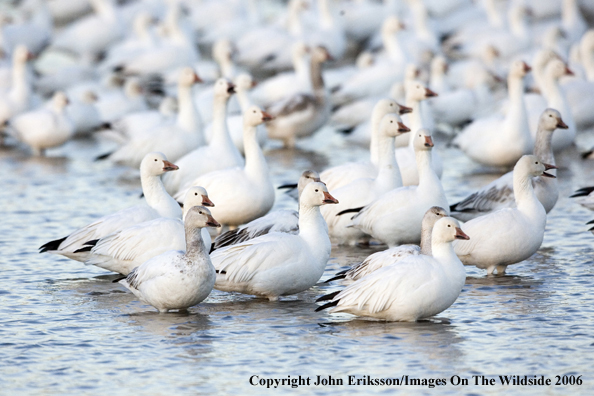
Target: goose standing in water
(302, 114)
(363, 191)
(284, 220)
(177, 279)
(125, 250)
(279, 264)
(243, 193)
(418, 287)
(44, 128)
(396, 254)
(395, 217)
(500, 193)
(157, 204)
(510, 235)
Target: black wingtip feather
(328, 296)
(325, 306)
(287, 186)
(587, 154)
(84, 249)
(118, 279)
(52, 245)
(582, 192)
(353, 210)
(103, 156)
(339, 276)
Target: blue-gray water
(66, 329)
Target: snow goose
(83, 113)
(501, 140)
(220, 153)
(509, 235)
(418, 287)
(126, 249)
(177, 279)
(288, 83)
(279, 264)
(418, 119)
(243, 83)
(302, 114)
(500, 193)
(363, 191)
(229, 187)
(395, 217)
(157, 204)
(555, 98)
(35, 32)
(329, 32)
(341, 175)
(116, 104)
(375, 80)
(175, 140)
(285, 220)
(18, 98)
(90, 36)
(44, 128)
(572, 21)
(580, 92)
(394, 255)
(136, 124)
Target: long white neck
(243, 97)
(394, 48)
(326, 19)
(313, 229)
(20, 87)
(317, 81)
(526, 199)
(389, 176)
(376, 118)
(415, 119)
(428, 180)
(426, 241)
(188, 117)
(516, 114)
(302, 70)
(256, 167)
(587, 58)
(518, 26)
(220, 136)
(157, 198)
(294, 26)
(494, 17)
(228, 69)
(543, 148)
(444, 254)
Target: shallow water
(65, 328)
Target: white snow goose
(510, 235)
(279, 264)
(418, 287)
(157, 204)
(500, 193)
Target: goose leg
(501, 269)
(490, 270)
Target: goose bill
(548, 167)
(168, 166)
(428, 141)
(207, 202)
(404, 110)
(329, 199)
(461, 235)
(403, 128)
(212, 222)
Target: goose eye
(449, 225)
(254, 111)
(391, 105)
(317, 190)
(155, 160)
(195, 193)
(550, 115)
(391, 122)
(536, 163)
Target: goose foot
(501, 269)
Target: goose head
(223, 51)
(392, 25)
(556, 69)
(411, 72)
(244, 82)
(132, 88)
(550, 120)
(422, 140)
(416, 92)
(197, 196)
(364, 60)
(391, 126)
(298, 51)
(60, 101)
(200, 217)
(385, 106)
(142, 23)
(316, 194)
(587, 42)
(156, 164)
(307, 177)
(439, 66)
(519, 69)
(224, 88)
(432, 215)
(447, 230)
(530, 166)
(543, 57)
(255, 116)
(320, 54)
(188, 77)
(89, 97)
(21, 55)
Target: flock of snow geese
(389, 74)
